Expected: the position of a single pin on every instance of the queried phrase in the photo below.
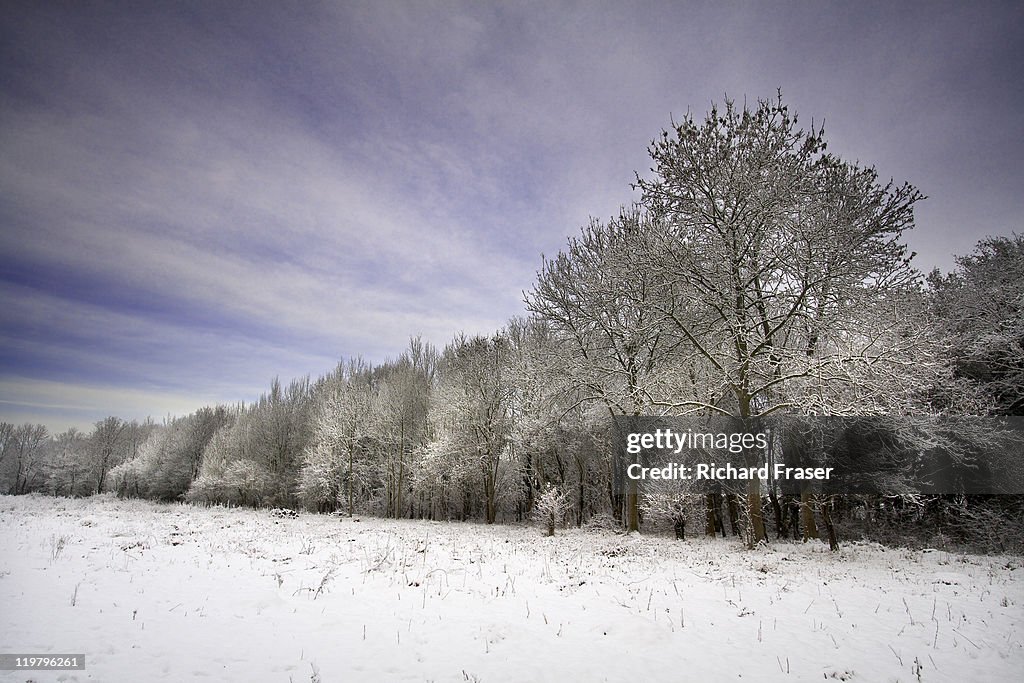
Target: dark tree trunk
(712, 522)
(807, 514)
(633, 507)
(793, 510)
(780, 522)
(618, 503)
(833, 542)
(734, 513)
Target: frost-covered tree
(980, 305)
(253, 459)
(476, 391)
(443, 476)
(342, 425)
(22, 457)
(67, 464)
(169, 459)
(540, 412)
(227, 474)
(108, 445)
(7, 450)
(281, 426)
(603, 308)
(672, 503)
(551, 508)
(403, 389)
(782, 275)
(129, 477)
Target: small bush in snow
(662, 504)
(551, 507)
(604, 522)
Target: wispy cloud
(67, 404)
(198, 197)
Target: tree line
(757, 275)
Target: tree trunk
(793, 512)
(780, 522)
(351, 506)
(734, 513)
(633, 507)
(807, 514)
(712, 524)
(17, 480)
(528, 485)
(490, 492)
(833, 542)
(581, 474)
(579, 513)
(103, 475)
(401, 469)
(618, 503)
(757, 532)
(401, 483)
(752, 459)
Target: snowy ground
(174, 593)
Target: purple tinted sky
(195, 197)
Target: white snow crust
(154, 592)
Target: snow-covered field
(172, 593)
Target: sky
(198, 197)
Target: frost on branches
(551, 508)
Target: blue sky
(196, 197)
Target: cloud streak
(196, 198)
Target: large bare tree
(782, 270)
